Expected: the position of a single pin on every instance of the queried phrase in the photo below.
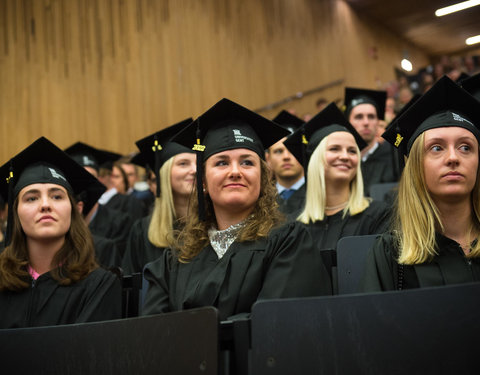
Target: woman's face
(44, 211)
(118, 181)
(233, 180)
(450, 163)
(341, 158)
(183, 174)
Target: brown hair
(194, 236)
(72, 263)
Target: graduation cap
(472, 85)
(288, 121)
(140, 160)
(89, 156)
(91, 195)
(355, 96)
(42, 162)
(408, 105)
(445, 105)
(227, 126)
(305, 140)
(157, 148)
(463, 76)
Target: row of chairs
(423, 331)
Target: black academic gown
(129, 205)
(450, 266)
(140, 250)
(293, 205)
(45, 303)
(146, 197)
(326, 233)
(106, 252)
(282, 265)
(112, 224)
(380, 167)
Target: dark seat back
(175, 343)
(400, 332)
(383, 192)
(351, 255)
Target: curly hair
(265, 216)
(72, 263)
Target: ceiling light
(456, 7)
(473, 40)
(406, 65)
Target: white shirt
(370, 152)
(107, 196)
(297, 185)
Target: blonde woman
(175, 167)
(436, 233)
(335, 205)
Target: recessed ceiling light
(473, 40)
(406, 65)
(456, 7)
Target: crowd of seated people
(240, 208)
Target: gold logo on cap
(304, 139)
(156, 146)
(399, 140)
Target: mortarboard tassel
(156, 148)
(304, 155)
(198, 148)
(401, 150)
(8, 235)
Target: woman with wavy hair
(174, 166)
(48, 272)
(234, 251)
(436, 232)
(335, 205)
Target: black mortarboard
(446, 104)
(91, 195)
(288, 121)
(41, 162)
(157, 148)
(463, 76)
(89, 156)
(227, 126)
(354, 97)
(472, 85)
(408, 105)
(305, 140)
(140, 160)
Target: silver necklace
(341, 205)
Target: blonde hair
(417, 217)
(160, 230)
(316, 196)
(194, 236)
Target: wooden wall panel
(109, 72)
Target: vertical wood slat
(108, 72)
(4, 27)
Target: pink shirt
(35, 275)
